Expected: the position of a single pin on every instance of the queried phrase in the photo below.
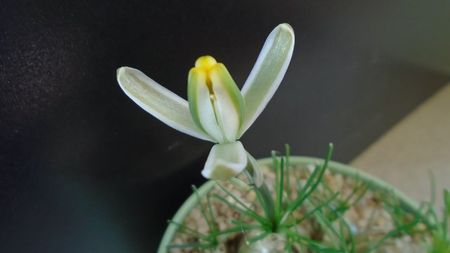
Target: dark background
(83, 169)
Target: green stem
(263, 194)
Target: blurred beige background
(417, 145)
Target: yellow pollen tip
(205, 62)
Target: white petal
(201, 106)
(228, 102)
(158, 101)
(267, 73)
(225, 161)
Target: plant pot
(373, 183)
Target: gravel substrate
(368, 217)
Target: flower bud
(215, 101)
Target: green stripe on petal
(200, 105)
(225, 161)
(158, 101)
(267, 73)
(228, 102)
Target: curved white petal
(225, 161)
(228, 102)
(267, 73)
(158, 101)
(201, 106)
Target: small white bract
(217, 110)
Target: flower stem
(263, 193)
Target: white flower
(217, 110)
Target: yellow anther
(205, 63)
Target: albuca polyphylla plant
(217, 111)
